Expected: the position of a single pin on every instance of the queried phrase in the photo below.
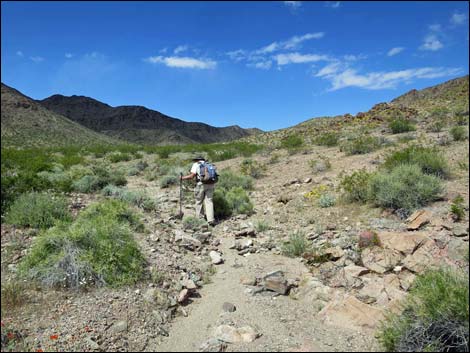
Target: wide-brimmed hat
(199, 158)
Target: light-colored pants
(203, 194)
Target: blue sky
(255, 64)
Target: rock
(334, 253)
(284, 198)
(228, 307)
(422, 258)
(406, 279)
(405, 243)
(276, 282)
(441, 238)
(331, 226)
(251, 232)
(460, 230)
(188, 242)
(380, 260)
(92, 344)
(189, 284)
(418, 219)
(248, 281)
(150, 294)
(216, 258)
(184, 294)
(202, 237)
(368, 238)
(349, 312)
(230, 334)
(213, 345)
(119, 326)
(349, 277)
(243, 244)
(457, 249)
(307, 180)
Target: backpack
(208, 173)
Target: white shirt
(195, 168)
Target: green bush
(329, 139)
(229, 179)
(401, 125)
(429, 159)
(292, 142)
(297, 245)
(458, 133)
(38, 210)
(115, 157)
(137, 198)
(239, 201)
(168, 180)
(405, 188)
(356, 185)
(326, 200)
(320, 165)
(457, 209)
(361, 145)
(435, 316)
(252, 168)
(222, 208)
(193, 223)
(261, 226)
(97, 248)
(436, 125)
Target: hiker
(204, 190)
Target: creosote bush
(38, 210)
(96, 249)
(361, 144)
(435, 316)
(458, 133)
(138, 198)
(252, 168)
(429, 159)
(356, 185)
(401, 125)
(328, 139)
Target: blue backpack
(208, 173)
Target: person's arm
(189, 176)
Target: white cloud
(395, 51)
(333, 4)
(435, 27)
(36, 59)
(163, 51)
(180, 48)
(68, 55)
(293, 4)
(264, 65)
(382, 80)
(297, 58)
(292, 43)
(19, 53)
(237, 55)
(351, 57)
(458, 18)
(431, 42)
(182, 62)
(329, 69)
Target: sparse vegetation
(229, 179)
(320, 165)
(193, 223)
(297, 245)
(435, 316)
(361, 144)
(252, 168)
(458, 133)
(137, 198)
(328, 139)
(13, 294)
(356, 185)
(38, 210)
(261, 226)
(168, 180)
(457, 209)
(292, 142)
(115, 157)
(326, 200)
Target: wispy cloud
(19, 53)
(180, 49)
(293, 4)
(297, 58)
(68, 55)
(36, 59)
(237, 55)
(292, 43)
(264, 65)
(381, 80)
(395, 51)
(333, 4)
(182, 62)
(431, 42)
(458, 18)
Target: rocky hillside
(26, 123)
(138, 124)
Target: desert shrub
(297, 245)
(58, 178)
(274, 158)
(222, 208)
(356, 185)
(429, 159)
(329, 139)
(461, 117)
(168, 180)
(400, 125)
(252, 168)
(229, 179)
(115, 157)
(292, 142)
(86, 184)
(320, 165)
(218, 156)
(457, 209)
(458, 133)
(261, 226)
(315, 193)
(13, 294)
(436, 125)
(405, 188)
(138, 198)
(362, 144)
(97, 248)
(38, 210)
(406, 138)
(326, 200)
(435, 316)
(239, 201)
(192, 222)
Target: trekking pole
(181, 195)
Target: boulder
(457, 249)
(228, 307)
(184, 294)
(405, 243)
(418, 219)
(460, 230)
(348, 312)
(213, 345)
(216, 258)
(230, 334)
(247, 232)
(380, 260)
(422, 258)
(334, 253)
(276, 282)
